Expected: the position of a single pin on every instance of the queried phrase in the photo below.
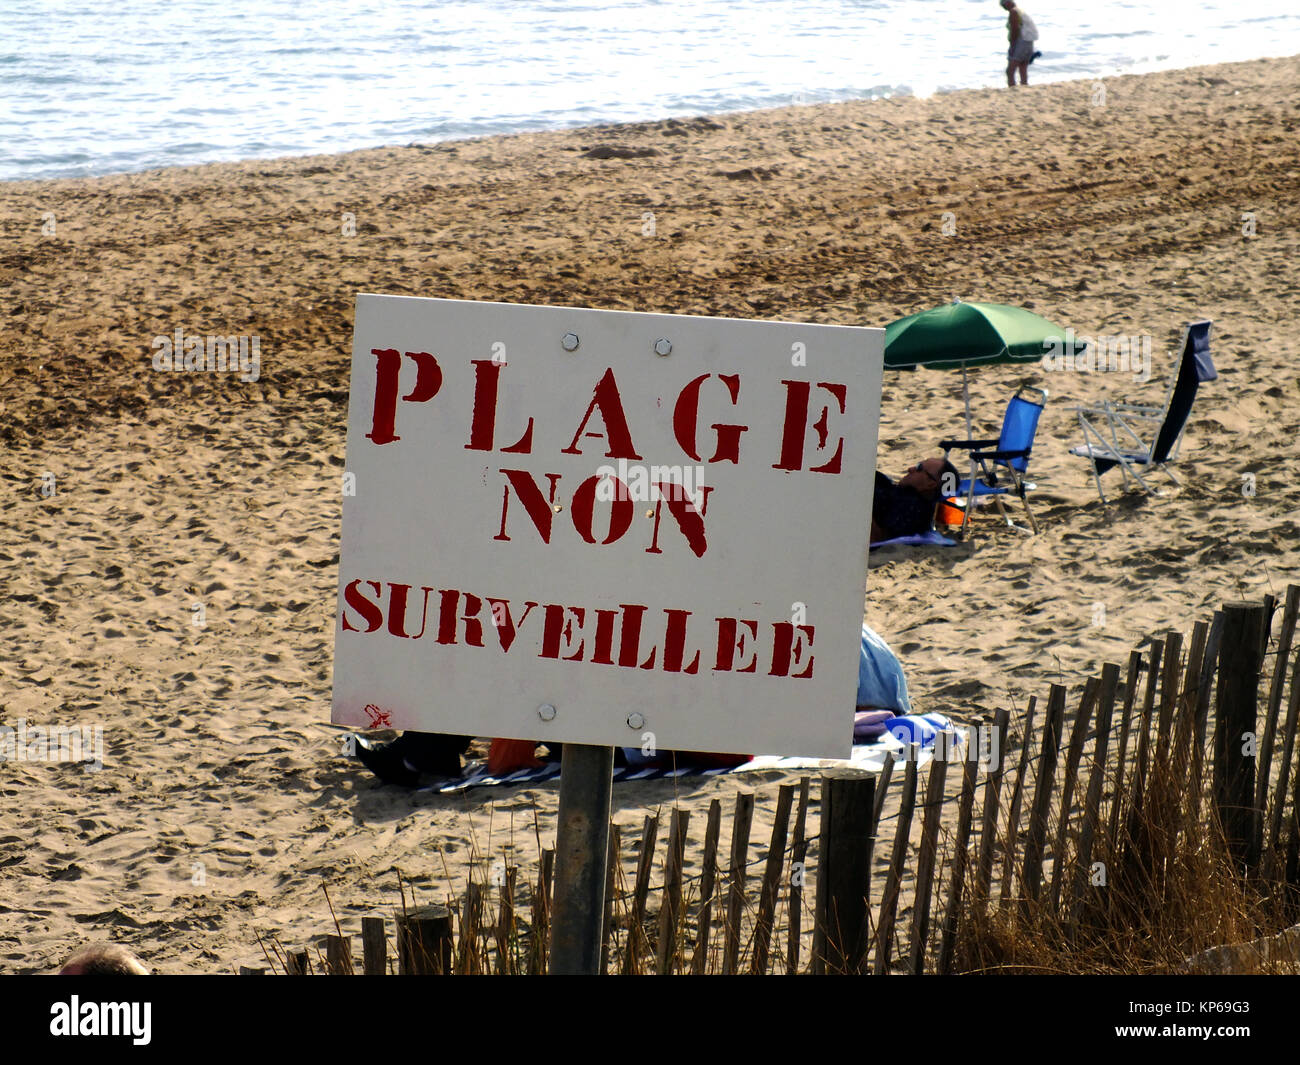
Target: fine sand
(224, 803)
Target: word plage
(499, 576)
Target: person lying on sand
(907, 508)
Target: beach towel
(870, 755)
(932, 538)
(913, 729)
(868, 724)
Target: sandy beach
(137, 502)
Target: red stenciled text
(531, 498)
(630, 636)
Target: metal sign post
(581, 859)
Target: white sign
(604, 527)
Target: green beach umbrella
(968, 334)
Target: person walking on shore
(1022, 33)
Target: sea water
(101, 86)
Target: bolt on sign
(588, 526)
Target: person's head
(104, 959)
(927, 477)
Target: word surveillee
(628, 637)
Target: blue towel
(932, 538)
(920, 728)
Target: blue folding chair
(1116, 434)
(1003, 469)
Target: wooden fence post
(1130, 695)
(1187, 698)
(736, 885)
(338, 955)
(842, 907)
(989, 817)
(897, 859)
(1284, 771)
(882, 789)
(798, 869)
(1204, 696)
(506, 921)
(1184, 734)
(704, 916)
(424, 941)
(930, 820)
(961, 855)
(670, 907)
(1144, 736)
(467, 959)
(771, 881)
(1032, 870)
(611, 886)
(1096, 780)
(1291, 857)
(1169, 694)
(1274, 704)
(640, 890)
(1209, 669)
(539, 959)
(374, 944)
(1073, 755)
(1236, 734)
(1013, 813)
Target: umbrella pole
(970, 495)
(965, 392)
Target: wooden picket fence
(1106, 845)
